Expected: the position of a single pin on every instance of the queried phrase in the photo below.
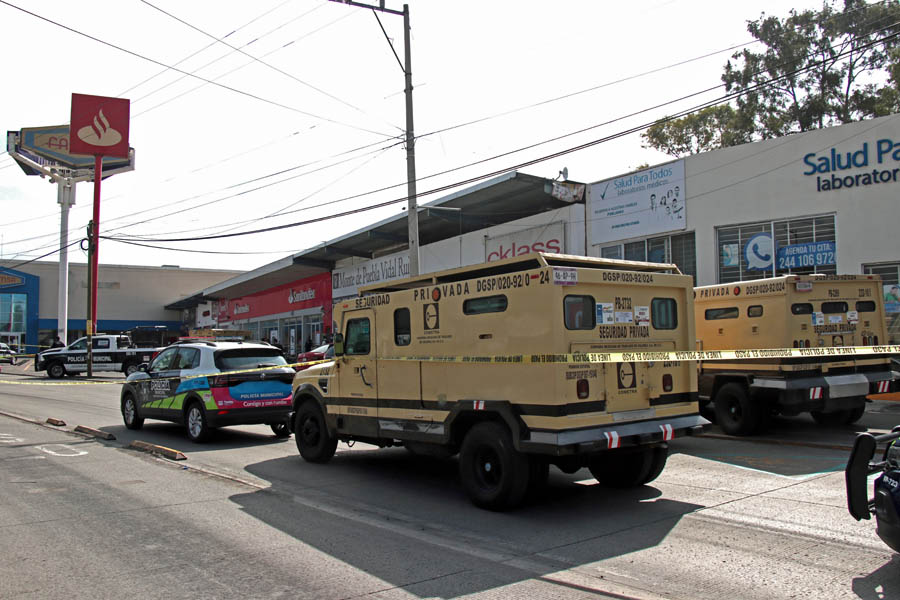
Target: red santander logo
(517, 249)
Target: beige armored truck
(489, 361)
(804, 312)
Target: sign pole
(95, 245)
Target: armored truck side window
(664, 313)
(714, 314)
(402, 332)
(357, 337)
(865, 306)
(755, 311)
(833, 308)
(488, 304)
(579, 312)
(802, 308)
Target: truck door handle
(362, 373)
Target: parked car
(323, 352)
(7, 354)
(204, 385)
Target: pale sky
(311, 122)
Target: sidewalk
(25, 368)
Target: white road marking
(61, 450)
(6, 438)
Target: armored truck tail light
(667, 382)
(583, 388)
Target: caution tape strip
(574, 358)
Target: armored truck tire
(494, 474)
(56, 370)
(855, 414)
(130, 414)
(831, 419)
(736, 412)
(629, 467)
(314, 441)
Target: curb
(154, 449)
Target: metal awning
(505, 198)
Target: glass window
(755, 311)
(402, 331)
(714, 314)
(802, 308)
(865, 306)
(165, 360)
(732, 242)
(664, 313)
(833, 308)
(357, 338)
(488, 304)
(890, 279)
(79, 345)
(579, 312)
(188, 358)
(611, 252)
(100, 343)
(636, 251)
(248, 358)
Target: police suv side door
(75, 356)
(187, 360)
(154, 390)
(104, 355)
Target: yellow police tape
(572, 358)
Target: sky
(248, 115)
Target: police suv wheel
(56, 370)
(130, 412)
(494, 474)
(281, 430)
(131, 368)
(198, 429)
(311, 434)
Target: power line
(209, 81)
(720, 100)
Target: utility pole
(90, 297)
(412, 211)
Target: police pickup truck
(110, 353)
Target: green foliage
(817, 69)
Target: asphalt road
(761, 518)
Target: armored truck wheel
(311, 434)
(494, 474)
(736, 412)
(630, 467)
(832, 419)
(855, 414)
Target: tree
(817, 69)
(700, 131)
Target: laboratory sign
(848, 167)
(643, 203)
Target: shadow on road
(880, 584)
(404, 519)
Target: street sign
(99, 125)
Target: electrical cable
(203, 79)
(589, 144)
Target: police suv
(110, 353)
